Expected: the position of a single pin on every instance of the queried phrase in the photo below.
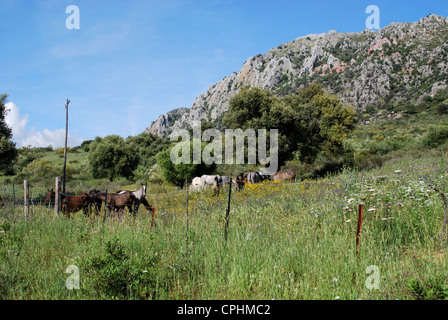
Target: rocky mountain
(400, 63)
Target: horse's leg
(97, 207)
(136, 206)
(135, 210)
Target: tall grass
(285, 241)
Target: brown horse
(284, 176)
(118, 201)
(140, 195)
(239, 182)
(114, 200)
(138, 200)
(50, 198)
(71, 204)
(96, 201)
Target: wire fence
(13, 197)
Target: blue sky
(131, 61)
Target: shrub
(40, 169)
(442, 109)
(433, 288)
(436, 135)
(119, 275)
(110, 157)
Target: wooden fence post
(152, 219)
(57, 196)
(26, 197)
(358, 231)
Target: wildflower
(337, 298)
(335, 280)
(348, 221)
(398, 171)
(372, 209)
(351, 200)
(400, 204)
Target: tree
(111, 157)
(85, 145)
(147, 145)
(8, 151)
(309, 122)
(177, 173)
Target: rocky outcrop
(370, 68)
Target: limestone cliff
(370, 68)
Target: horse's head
(49, 197)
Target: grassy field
(285, 241)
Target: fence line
(16, 199)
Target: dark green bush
(119, 275)
(442, 109)
(433, 288)
(436, 135)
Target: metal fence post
(228, 211)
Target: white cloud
(16, 121)
(24, 137)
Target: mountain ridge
(376, 69)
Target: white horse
(212, 180)
(205, 182)
(197, 184)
